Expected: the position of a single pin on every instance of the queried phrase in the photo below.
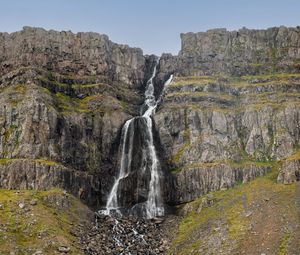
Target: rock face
(246, 51)
(65, 52)
(42, 175)
(64, 98)
(230, 113)
(195, 181)
(290, 169)
(235, 98)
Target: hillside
(208, 140)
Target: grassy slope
(44, 226)
(258, 217)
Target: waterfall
(112, 200)
(153, 206)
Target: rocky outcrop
(80, 133)
(65, 52)
(246, 51)
(205, 121)
(289, 172)
(211, 119)
(194, 181)
(42, 175)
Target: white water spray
(112, 200)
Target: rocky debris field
(124, 235)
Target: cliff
(64, 98)
(234, 100)
(246, 51)
(231, 112)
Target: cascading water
(112, 201)
(153, 206)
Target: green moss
(15, 94)
(83, 86)
(188, 80)
(46, 162)
(284, 243)
(230, 207)
(8, 132)
(197, 107)
(264, 80)
(96, 103)
(5, 161)
(295, 156)
(63, 86)
(235, 164)
(21, 89)
(175, 170)
(44, 222)
(221, 96)
(256, 64)
(54, 83)
(69, 104)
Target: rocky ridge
(241, 52)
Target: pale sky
(153, 25)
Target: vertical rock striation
(231, 112)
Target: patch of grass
(8, 132)
(43, 226)
(234, 164)
(284, 243)
(15, 94)
(270, 76)
(175, 170)
(264, 80)
(69, 104)
(83, 86)
(187, 80)
(197, 107)
(220, 96)
(256, 64)
(95, 103)
(54, 83)
(230, 207)
(5, 161)
(20, 88)
(295, 156)
(176, 158)
(46, 162)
